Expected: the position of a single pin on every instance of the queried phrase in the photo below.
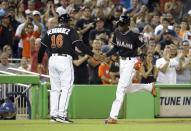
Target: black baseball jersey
(61, 40)
(126, 44)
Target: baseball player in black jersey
(60, 41)
(126, 43)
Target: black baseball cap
(64, 18)
(123, 20)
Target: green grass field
(98, 125)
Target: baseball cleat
(53, 119)
(110, 121)
(64, 120)
(154, 92)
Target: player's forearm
(84, 49)
(41, 54)
(81, 60)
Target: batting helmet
(64, 18)
(8, 110)
(124, 19)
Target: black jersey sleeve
(43, 47)
(139, 40)
(79, 44)
(74, 36)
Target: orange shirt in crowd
(26, 43)
(104, 71)
(181, 33)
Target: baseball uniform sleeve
(43, 47)
(74, 36)
(79, 44)
(140, 40)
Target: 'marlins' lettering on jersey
(58, 30)
(123, 44)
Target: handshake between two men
(104, 58)
(98, 57)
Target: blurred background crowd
(164, 24)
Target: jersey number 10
(56, 41)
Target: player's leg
(140, 87)
(150, 87)
(126, 68)
(55, 88)
(143, 87)
(67, 77)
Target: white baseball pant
(61, 79)
(125, 85)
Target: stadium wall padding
(88, 101)
(94, 102)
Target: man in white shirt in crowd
(167, 67)
(64, 8)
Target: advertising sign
(175, 102)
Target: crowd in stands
(164, 24)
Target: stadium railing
(31, 97)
